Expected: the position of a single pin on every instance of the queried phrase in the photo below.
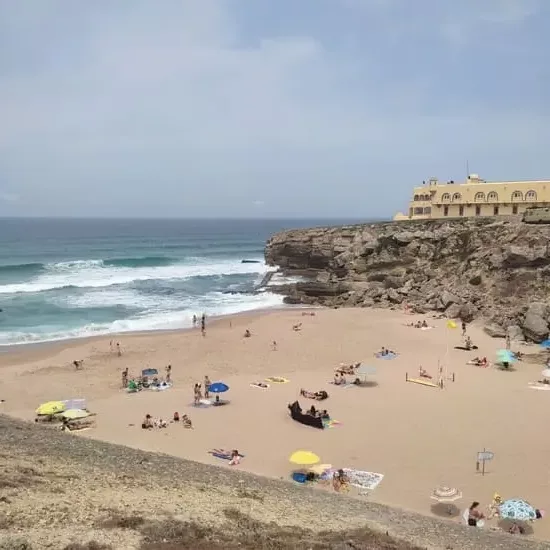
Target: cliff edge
(495, 269)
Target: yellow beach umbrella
(304, 458)
(51, 407)
(74, 414)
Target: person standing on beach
(203, 324)
(207, 387)
(125, 378)
(169, 374)
(508, 342)
(463, 328)
(118, 349)
(194, 320)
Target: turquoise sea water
(70, 278)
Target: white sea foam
(278, 279)
(94, 274)
(213, 304)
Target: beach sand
(418, 437)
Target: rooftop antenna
(467, 170)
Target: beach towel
(464, 348)
(202, 403)
(536, 386)
(161, 387)
(346, 385)
(266, 387)
(426, 328)
(223, 455)
(220, 402)
(387, 356)
(331, 423)
(357, 478)
(277, 380)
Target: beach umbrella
(365, 370)
(51, 407)
(149, 372)
(75, 414)
(505, 356)
(546, 373)
(545, 344)
(446, 494)
(218, 387)
(517, 509)
(304, 458)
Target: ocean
(71, 278)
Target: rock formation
(497, 269)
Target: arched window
(479, 197)
(492, 196)
(457, 196)
(416, 198)
(446, 197)
(517, 196)
(531, 196)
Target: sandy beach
(417, 436)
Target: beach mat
(387, 357)
(260, 387)
(331, 423)
(358, 478)
(346, 385)
(277, 380)
(543, 387)
(423, 382)
(223, 456)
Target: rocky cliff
(497, 269)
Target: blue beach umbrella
(218, 387)
(545, 344)
(517, 509)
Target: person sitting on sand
(160, 423)
(324, 414)
(274, 345)
(312, 411)
(217, 401)
(297, 328)
(235, 458)
(423, 373)
(147, 423)
(78, 364)
(176, 417)
(337, 379)
(424, 324)
(474, 514)
(468, 343)
(247, 333)
(339, 480)
(186, 422)
(493, 510)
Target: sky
(262, 108)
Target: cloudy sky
(286, 108)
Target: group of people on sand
(143, 382)
(317, 413)
(202, 323)
(150, 423)
(385, 351)
(419, 324)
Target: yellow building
(474, 197)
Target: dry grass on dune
(61, 491)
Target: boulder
(475, 280)
(453, 311)
(447, 298)
(535, 328)
(515, 333)
(538, 308)
(494, 331)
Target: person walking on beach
(197, 395)
(463, 328)
(169, 374)
(118, 349)
(194, 320)
(508, 342)
(125, 378)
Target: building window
(445, 210)
(479, 197)
(492, 196)
(457, 196)
(515, 209)
(461, 211)
(531, 196)
(517, 196)
(446, 197)
(495, 211)
(427, 197)
(478, 210)
(416, 198)
(418, 211)
(427, 210)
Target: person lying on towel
(318, 395)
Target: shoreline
(24, 347)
